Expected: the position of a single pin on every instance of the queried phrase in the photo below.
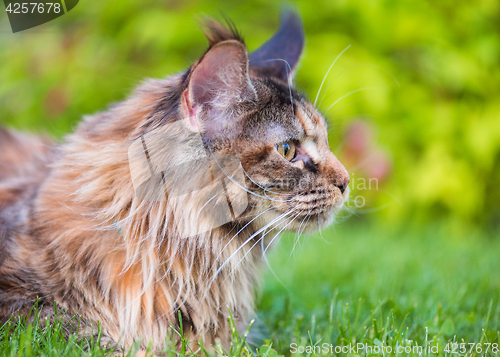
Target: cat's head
(268, 158)
(245, 105)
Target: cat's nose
(342, 183)
(337, 173)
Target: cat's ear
(218, 82)
(279, 56)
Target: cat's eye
(287, 150)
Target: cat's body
(74, 229)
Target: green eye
(287, 150)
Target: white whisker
(351, 93)
(236, 234)
(223, 265)
(264, 257)
(265, 189)
(271, 242)
(327, 72)
(289, 70)
(242, 187)
(298, 238)
(359, 65)
(262, 238)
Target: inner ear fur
(218, 81)
(221, 77)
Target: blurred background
(413, 102)
(414, 112)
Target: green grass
(352, 284)
(20, 338)
(364, 285)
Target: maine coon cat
(165, 203)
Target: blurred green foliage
(424, 75)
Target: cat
(157, 212)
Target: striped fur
(74, 231)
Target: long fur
(74, 230)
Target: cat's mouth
(305, 212)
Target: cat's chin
(316, 222)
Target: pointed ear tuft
(279, 56)
(216, 31)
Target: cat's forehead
(284, 114)
(312, 121)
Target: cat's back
(22, 156)
(24, 163)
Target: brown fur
(73, 230)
